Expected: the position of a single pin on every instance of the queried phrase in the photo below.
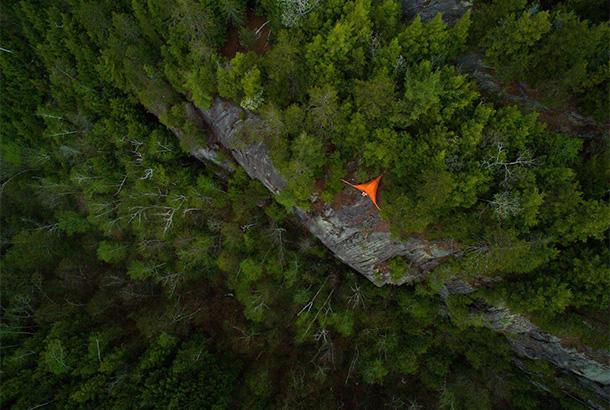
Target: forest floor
(261, 31)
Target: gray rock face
(567, 122)
(359, 238)
(452, 9)
(211, 154)
(226, 121)
(353, 231)
(589, 371)
(530, 342)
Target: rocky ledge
(353, 231)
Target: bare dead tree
(325, 307)
(375, 44)
(292, 11)
(58, 355)
(100, 209)
(258, 304)
(50, 116)
(400, 63)
(80, 178)
(97, 344)
(148, 173)
(279, 242)
(246, 336)
(309, 304)
(120, 185)
(325, 353)
(65, 133)
(356, 298)
(382, 346)
(505, 204)
(168, 217)
(478, 248)
(499, 162)
(171, 281)
(138, 157)
(9, 179)
(164, 148)
(113, 280)
(180, 313)
(352, 364)
(50, 228)
(257, 33)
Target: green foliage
(136, 276)
(398, 268)
(515, 38)
(241, 81)
(284, 69)
(374, 372)
(202, 83)
(562, 55)
(111, 252)
(341, 50)
(55, 357)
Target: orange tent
(368, 189)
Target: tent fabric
(368, 189)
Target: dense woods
(135, 276)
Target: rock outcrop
(568, 122)
(587, 372)
(358, 237)
(592, 377)
(452, 9)
(560, 120)
(353, 231)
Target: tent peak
(368, 189)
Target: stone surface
(568, 122)
(212, 154)
(565, 121)
(530, 342)
(227, 120)
(353, 231)
(589, 370)
(452, 9)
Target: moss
(398, 268)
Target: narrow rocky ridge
(352, 232)
(355, 234)
(347, 232)
(452, 9)
(558, 119)
(589, 370)
(565, 121)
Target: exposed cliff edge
(568, 122)
(352, 232)
(357, 237)
(560, 120)
(589, 371)
(452, 9)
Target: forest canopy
(136, 276)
